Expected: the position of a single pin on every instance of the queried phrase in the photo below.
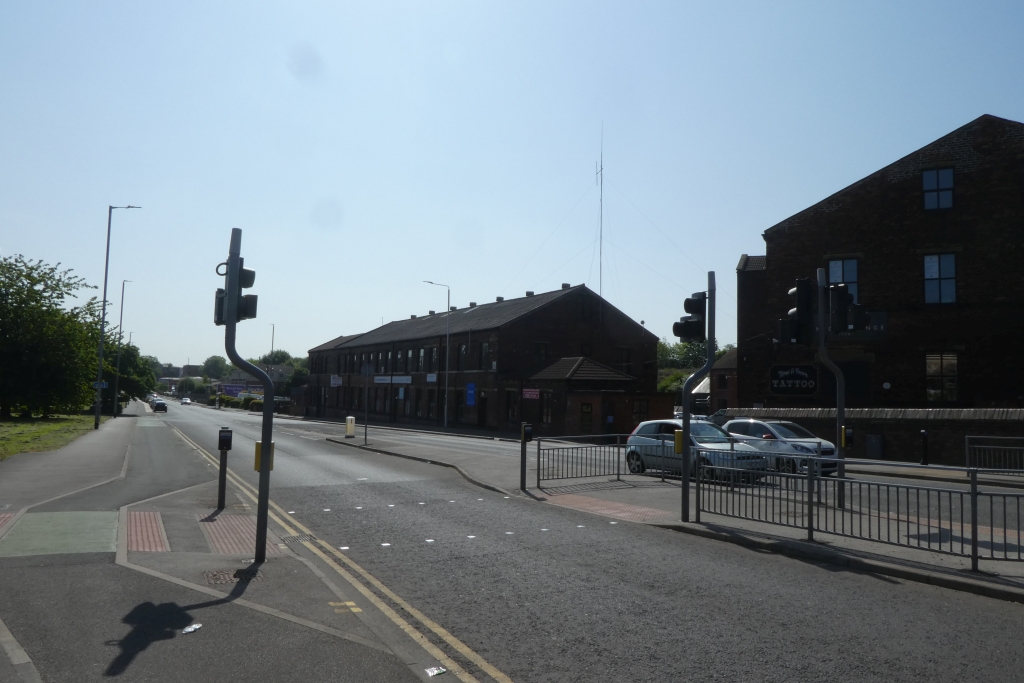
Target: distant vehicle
(159, 406)
(783, 438)
(186, 401)
(651, 446)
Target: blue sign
(471, 394)
(99, 385)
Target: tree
(186, 385)
(47, 350)
(216, 367)
(136, 378)
(278, 357)
(685, 355)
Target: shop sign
(793, 380)
(531, 393)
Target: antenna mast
(600, 247)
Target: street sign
(432, 377)
(99, 385)
(336, 380)
(471, 394)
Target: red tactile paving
(5, 517)
(634, 513)
(233, 534)
(145, 532)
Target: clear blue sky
(365, 147)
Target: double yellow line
(293, 527)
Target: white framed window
(938, 188)
(844, 271)
(940, 279)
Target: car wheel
(635, 464)
(707, 471)
(787, 466)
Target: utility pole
(103, 316)
(600, 232)
(840, 388)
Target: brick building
(932, 246)
(566, 361)
(722, 383)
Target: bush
(256, 404)
(246, 401)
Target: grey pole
(120, 337)
(688, 386)
(267, 435)
(840, 389)
(103, 315)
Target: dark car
(158, 406)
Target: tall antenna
(599, 179)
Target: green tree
(187, 385)
(47, 349)
(136, 378)
(278, 357)
(216, 367)
(685, 355)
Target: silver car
(784, 442)
(651, 446)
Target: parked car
(186, 401)
(651, 446)
(782, 438)
(159, 406)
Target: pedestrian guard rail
(959, 517)
(1005, 453)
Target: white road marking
(385, 544)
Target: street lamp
(447, 345)
(103, 316)
(120, 337)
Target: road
(546, 593)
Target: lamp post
(103, 316)
(120, 337)
(447, 345)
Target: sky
(365, 147)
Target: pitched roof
(727, 361)
(752, 262)
(581, 368)
(334, 343)
(909, 164)
(483, 317)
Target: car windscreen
(790, 430)
(708, 432)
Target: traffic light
(692, 328)
(798, 326)
(246, 307)
(844, 315)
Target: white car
(186, 401)
(651, 446)
(783, 438)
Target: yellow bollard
(350, 427)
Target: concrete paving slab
(54, 533)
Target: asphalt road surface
(551, 594)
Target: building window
(624, 364)
(485, 355)
(586, 418)
(940, 279)
(940, 375)
(419, 402)
(641, 408)
(545, 407)
(938, 188)
(401, 361)
(433, 360)
(431, 403)
(844, 271)
(461, 358)
(723, 381)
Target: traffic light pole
(688, 386)
(840, 388)
(266, 454)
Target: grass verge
(42, 434)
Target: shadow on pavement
(152, 623)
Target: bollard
(223, 445)
(924, 447)
(525, 436)
(350, 427)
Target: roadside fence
(576, 457)
(1004, 453)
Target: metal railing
(566, 458)
(956, 519)
(995, 453)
